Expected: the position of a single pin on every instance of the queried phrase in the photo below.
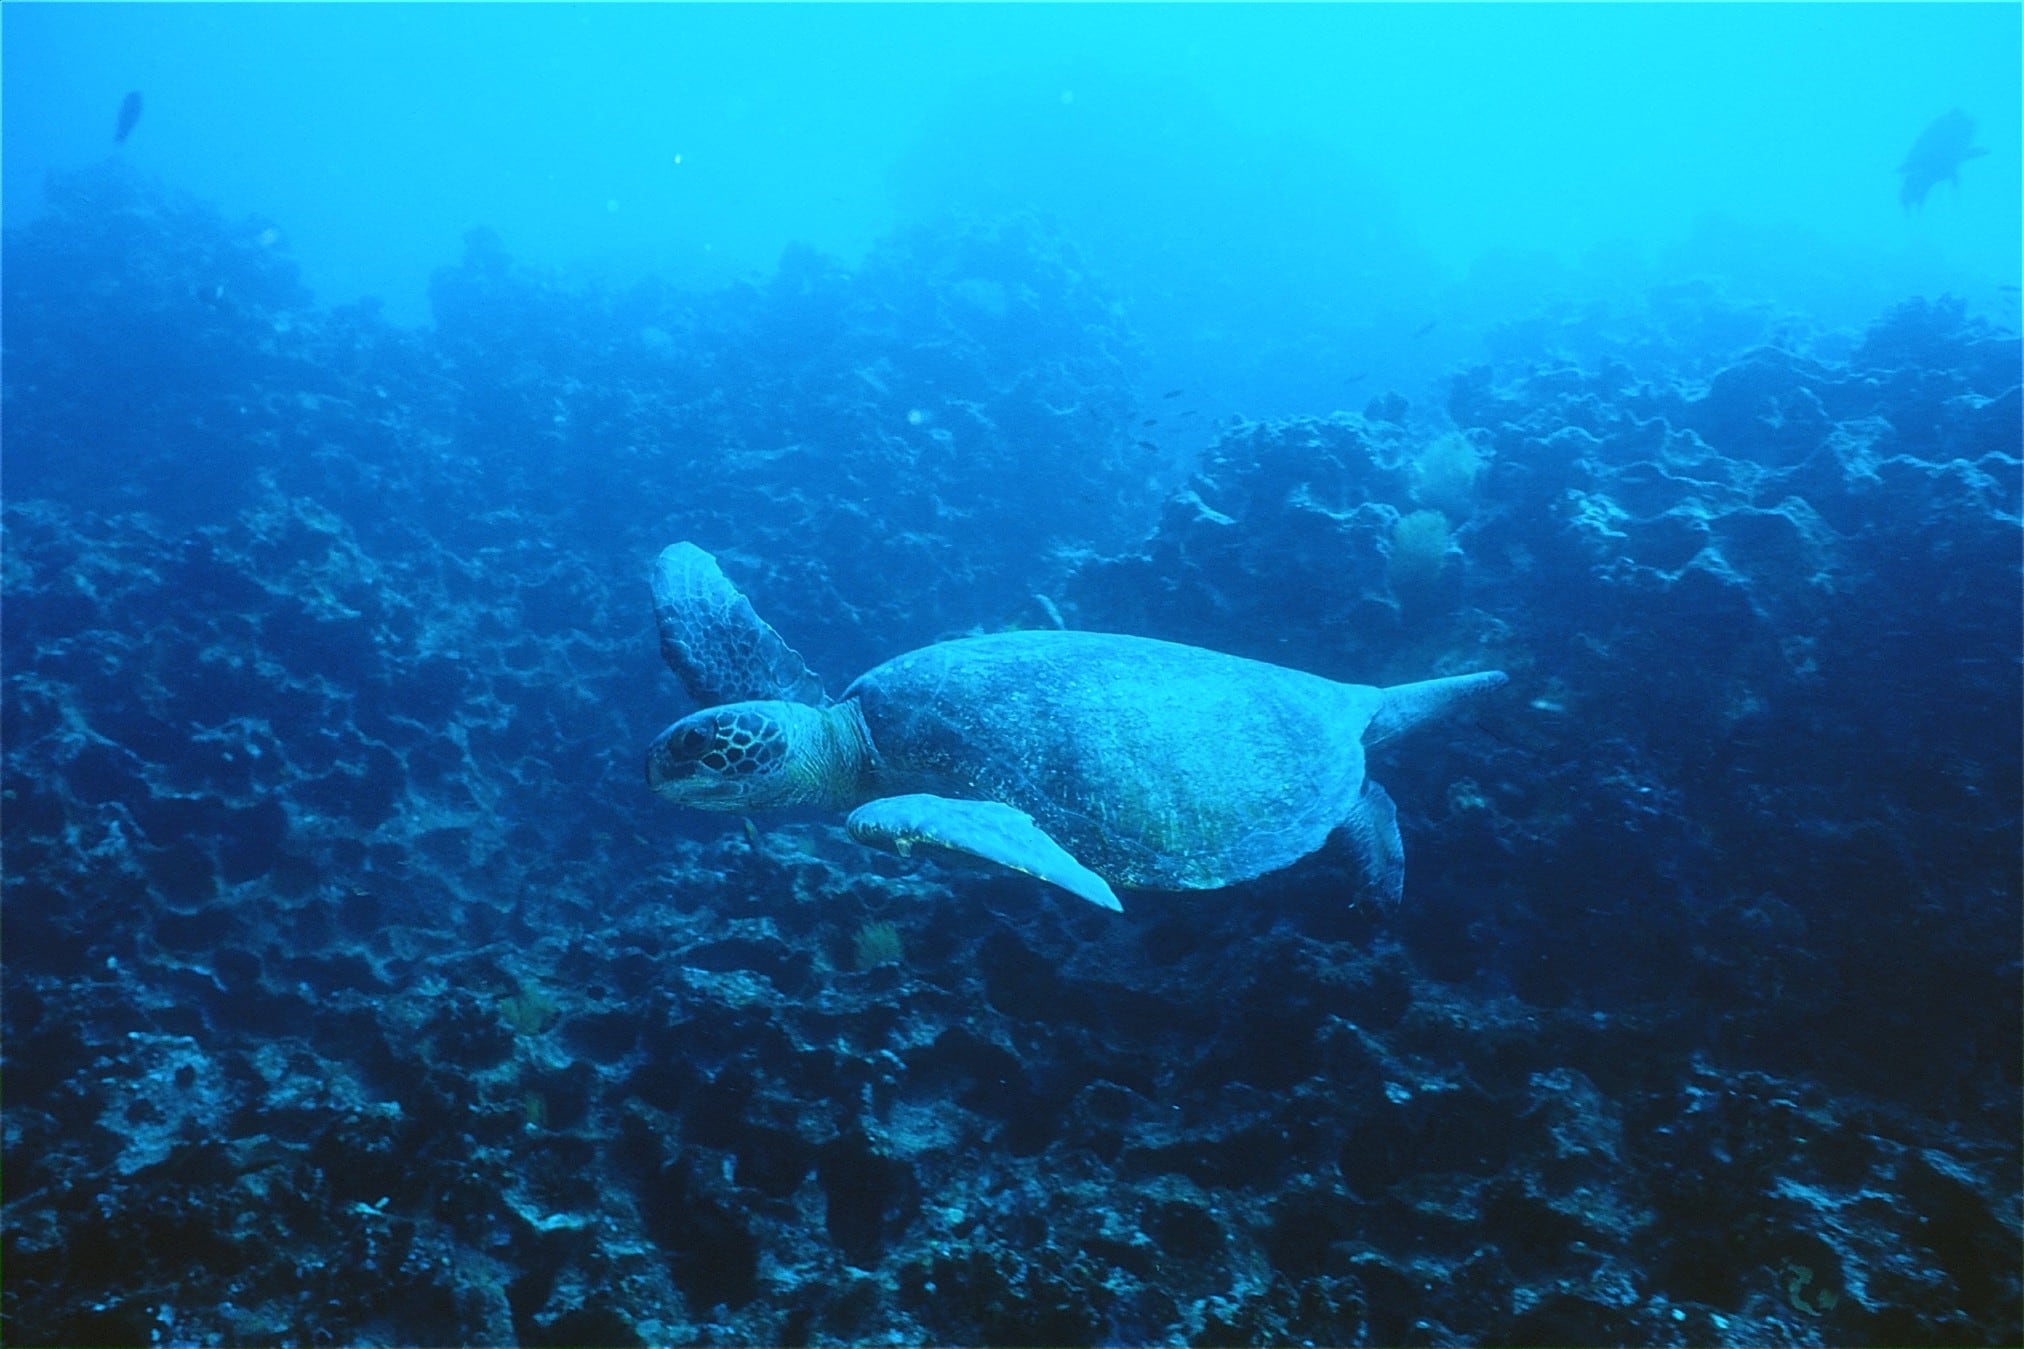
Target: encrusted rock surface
(356, 991)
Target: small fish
(1150, 421)
(1936, 157)
(1173, 393)
(129, 113)
(1189, 413)
(751, 832)
(1426, 327)
(1147, 445)
(1358, 378)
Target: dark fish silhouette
(1426, 327)
(129, 113)
(1936, 157)
(1147, 445)
(1150, 421)
(1173, 393)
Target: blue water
(360, 360)
(1353, 171)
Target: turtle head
(748, 756)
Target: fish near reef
(129, 115)
(1936, 157)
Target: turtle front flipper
(715, 642)
(1372, 830)
(989, 830)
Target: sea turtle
(1084, 759)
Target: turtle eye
(695, 740)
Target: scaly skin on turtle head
(756, 755)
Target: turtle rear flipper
(1405, 706)
(1372, 831)
(989, 830)
(714, 641)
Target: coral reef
(357, 992)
